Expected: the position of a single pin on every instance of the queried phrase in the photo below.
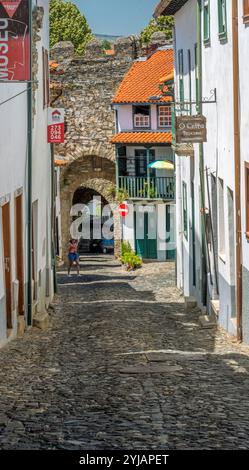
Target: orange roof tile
(60, 162)
(109, 52)
(142, 138)
(142, 80)
(167, 78)
(53, 64)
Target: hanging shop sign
(14, 40)
(191, 129)
(56, 129)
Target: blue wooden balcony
(148, 188)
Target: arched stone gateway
(78, 175)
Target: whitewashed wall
(219, 150)
(42, 172)
(13, 158)
(13, 169)
(187, 168)
(244, 119)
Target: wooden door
(19, 253)
(7, 262)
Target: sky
(117, 17)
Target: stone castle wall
(89, 84)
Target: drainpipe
(29, 189)
(201, 153)
(237, 165)
(53, 219)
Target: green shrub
(126, 248)
(131, 260)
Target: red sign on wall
(56, 125)
(14, 40)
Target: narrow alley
(122, 365)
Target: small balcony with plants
(143, 176)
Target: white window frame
(164, 119)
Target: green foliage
(106, 45)
(164, 23)
(148, 191)
(126, 248)
(68, 24)
(119, 195)
(131, 260)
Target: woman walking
(73, 256)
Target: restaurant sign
(14, 40)
(191, 129)
(56, 125)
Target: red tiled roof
(142, 80)
(142, 138)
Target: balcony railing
(144, 188)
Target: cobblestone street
(123, 366)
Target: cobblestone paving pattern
(123, 366)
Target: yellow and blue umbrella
(162, 165)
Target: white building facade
(210, 251)
(15, 253)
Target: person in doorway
(73, 256)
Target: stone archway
(79, 174)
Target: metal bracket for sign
(15, 96)
(18, 81)
(211, 100)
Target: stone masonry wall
(89, 84)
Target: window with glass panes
(222, 19)
(164, 116)
(246, 11)
(181, 74)
(206, 21)
(141, 116)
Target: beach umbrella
(162, 165)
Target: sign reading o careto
(191, 129)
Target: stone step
(190, 303)
(41, 320)
(207, 321)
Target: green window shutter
(222, 19)
(185, 210)
(181, 75)
(197, 88)
(206, 21)
(190, 81)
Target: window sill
(223, 37)
(207, 42)
(137, 129)
(223, 258)
(246, 19)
